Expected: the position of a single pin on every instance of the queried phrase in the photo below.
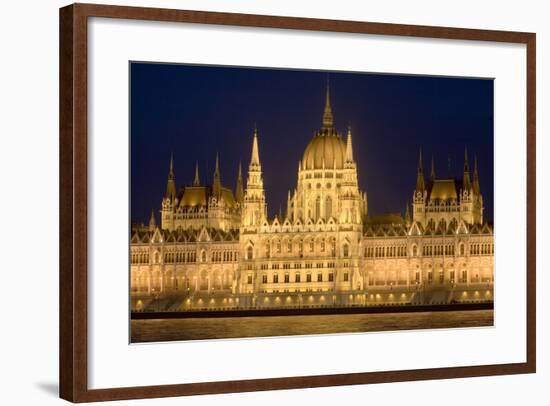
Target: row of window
(428, 250)
(378, 252)
(286, 265)
(224, 256)
(140, 258)
(297, 278)
(181, 257)
(318, 175)
(482, 249)
(462, 278)
(289, 247)
(439, 250)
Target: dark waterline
(240, 327)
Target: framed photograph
(279, 202)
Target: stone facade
(216, 249)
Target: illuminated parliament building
(215, 248)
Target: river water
(266, 326)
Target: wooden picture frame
(73, 281)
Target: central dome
(328, 148)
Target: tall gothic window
(328, 207)
(317, 207)
(346, 250)
(249, 253)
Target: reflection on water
(233, 327)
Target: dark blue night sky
(198, 111)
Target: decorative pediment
(485, 229)
(135, 238)
(369, 232)
(204, 235)
(181, 236)
(380, 232)
(217, 236)
(157, 237)
(391, 232)
(416, 229)
(474, 229)
(401, 231)
(462, 228)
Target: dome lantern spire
(328, 119)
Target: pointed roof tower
(349, 147)
(152, 221)
(466, 180)
(217, 186)
(407, 214)
(328, 119)
(432, 171)
(171, 183)
(255, 158)
(239, 193)
(420, 174)
(197, 180)
(476, 178)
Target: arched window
(249, 253)
(328, 207)
(415, 250)
(346, 250)
(317, 207)
(203, 256)
(461, 249)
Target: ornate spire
(476, 177)
(466, 181)
(349, 147)
(239, 193)
(328, 119)
(407, 214)
(288, 205)
(217, 181)
(432, 171)
(420, 174)
(152, 221)
(171, 183)
(197, 180)
(255, 158)
(254, 207)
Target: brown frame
(73, 310)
